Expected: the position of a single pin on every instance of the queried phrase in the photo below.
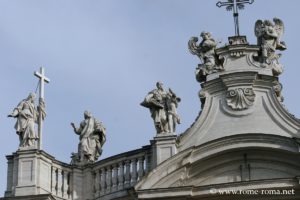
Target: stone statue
(278, 91)
(202, 96)
(268, 38)
(162, 105)
(172, 104)
(27, 115)
(92, 137)
(206, 52)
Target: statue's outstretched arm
(76, 130)
(14, 113)
(16, 110)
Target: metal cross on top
(235, 5)
(43, 79)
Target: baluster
(65, 184)
(108, 179)
(127, 174)
(69, 181)
(121, 176)
(141, 167)
(115, 177)
(148, 163)
(54, 181)
(102, 181)
(59, 182)
(134, 171)
(97, 183)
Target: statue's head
(159, 85)
(278, 87)
(87, 114)
(31, 97)
(205, 35)
(268, 23)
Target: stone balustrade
(34, 172)
(120, 172)
(61, 181)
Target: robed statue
(163, 108)
(27, 115)
(92, 137)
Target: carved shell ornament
(240, 98)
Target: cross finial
(235, 5)
(43, 79)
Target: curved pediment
(240, 103)
(227, 160)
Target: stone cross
(235, 5)
(43, 79)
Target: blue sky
(105, 55)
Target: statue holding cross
(28, 114)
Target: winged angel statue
(268, 37)
(206, 53)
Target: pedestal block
(29, 173)
(164, 147)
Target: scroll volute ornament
(240, 98)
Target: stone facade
(34, 172)
(244, 143)
(31, 197)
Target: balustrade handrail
(122, 156)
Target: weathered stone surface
(240, 98)
(257, 108)
(223, 164)
(163, 108)
(164, 147)
(34, 173)
(268, 38)
(31, 197)
(27, 115)
(92, 136)
(243, 140)
(206, 53)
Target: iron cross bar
(235, 5)
(43, 79)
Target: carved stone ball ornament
(240, 98)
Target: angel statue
(268, 37)
(206, 52)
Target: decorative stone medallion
(240, 98)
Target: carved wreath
(240, 98)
